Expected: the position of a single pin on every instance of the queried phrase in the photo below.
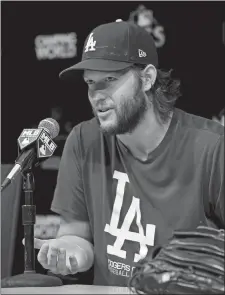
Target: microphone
(36, 145)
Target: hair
(221, 113)
(165, 91)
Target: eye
(110, 79)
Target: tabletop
(68, 289)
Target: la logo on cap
(90, 46)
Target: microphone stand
(29, 278)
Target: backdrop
(193, 47)
(39, 39)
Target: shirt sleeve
(68, 199)
(216, 184)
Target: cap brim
(95, 65)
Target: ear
(149, 75)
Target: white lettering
(30, 132)
(56, 46)
(90, 46)
(52, 146)
(159, 34)
(124, 232)
(47, 140)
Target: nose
(101, 85)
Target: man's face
(117, 100)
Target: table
(68, 289)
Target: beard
(129, 114)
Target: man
(138, 170)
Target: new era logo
(141, 53)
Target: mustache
(102, 104)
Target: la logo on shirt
(143, 237)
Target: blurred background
(39, 39)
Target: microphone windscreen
(51, 126)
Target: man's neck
(147, 135)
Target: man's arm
(72, 227)
(216, 185)
(72, 250)
(69, 197)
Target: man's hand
(57, 255)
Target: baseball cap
(115, 46)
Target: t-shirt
(134, 205)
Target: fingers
(61, 265)
(73, 264)
(43, 255)
(38, 243)
(52, 258)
